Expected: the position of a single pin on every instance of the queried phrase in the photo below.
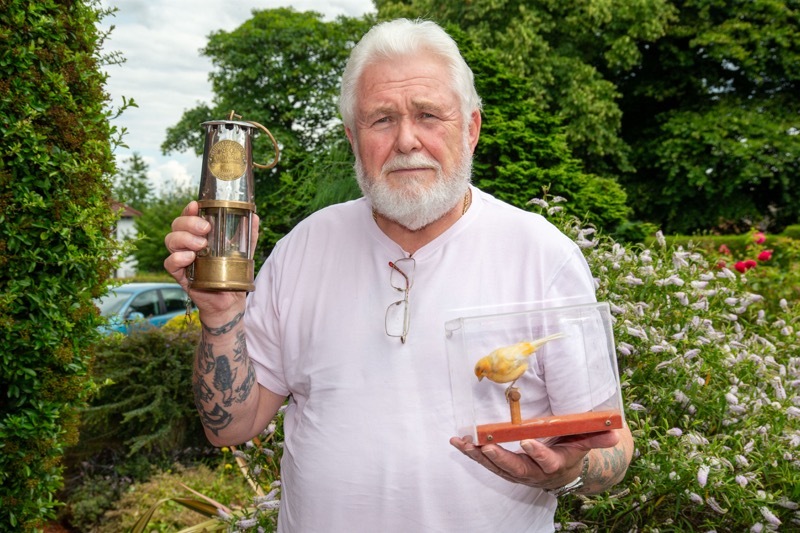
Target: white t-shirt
(369, 419)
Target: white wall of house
(126, 230)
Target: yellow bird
(507, 364)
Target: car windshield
(111, 303)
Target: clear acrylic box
(570, 385)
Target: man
(370, 417)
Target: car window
(111, 303)
(146, 303)
(174, 299)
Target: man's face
(412, 145)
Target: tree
(565, 50)
(56, 250)
(522, 151)
(153, 226)
(131, 185)
(711, 116)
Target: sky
(165, 74)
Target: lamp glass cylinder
(226, 199)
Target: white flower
(630, 279)
(769, 517)
(742, 461)
(270, 505)
(637, 407)
(741, 480)
(539, 202)
(637, 332)
(702, 475)
(758, 527)
(696, 498)
(624, 348)
(675, 432)
(662, 242)
(732, 399)
(714, 505)
(793, 412)
(679, 259)
(246, 523)
(733, 302)
(699, 284)
(691, 353)
(680, 397)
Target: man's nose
(407, 137)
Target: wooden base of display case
(549, 426)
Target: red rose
(759, 237)
(766, 255)
(721, 264)
(749, 264)
(740, 266)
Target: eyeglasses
(397, 314)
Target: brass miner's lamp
(227, 201)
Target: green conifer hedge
(56, 250)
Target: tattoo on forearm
(223, 379)
(608, 468)
(217, 375)
(217, 419)
(225, 328)
(205, 357)
(240, 349)
(243, 390)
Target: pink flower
(740, 266)
(721, 264)
(765, 255)
(759, 237)
(723, 249)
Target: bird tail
(539, 342)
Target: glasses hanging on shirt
(398, 313)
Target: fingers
(188, 236)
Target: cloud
(165, 74)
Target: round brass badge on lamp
(227, 201)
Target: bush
(145, 400)
(710, 381)
(55, 247)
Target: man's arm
(233, 407)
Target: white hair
(399, 38)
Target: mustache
(405, 162)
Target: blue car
(139, 304)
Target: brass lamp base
(223, 274)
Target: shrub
(55, 247)
(710, 377)
(145, 398)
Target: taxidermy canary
(507, 364)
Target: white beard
(414, 204)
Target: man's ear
(474, 128)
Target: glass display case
(534, 374)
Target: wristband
(574, 485)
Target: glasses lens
(397, 319)
(402, 275)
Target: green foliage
(55, 247)
(131, 185)
(522, 151)
(153, 226)
(709, 374)
(145, 398)
(565, 50)
(712, 117)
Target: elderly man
(369, 423)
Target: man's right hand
(188, 237)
